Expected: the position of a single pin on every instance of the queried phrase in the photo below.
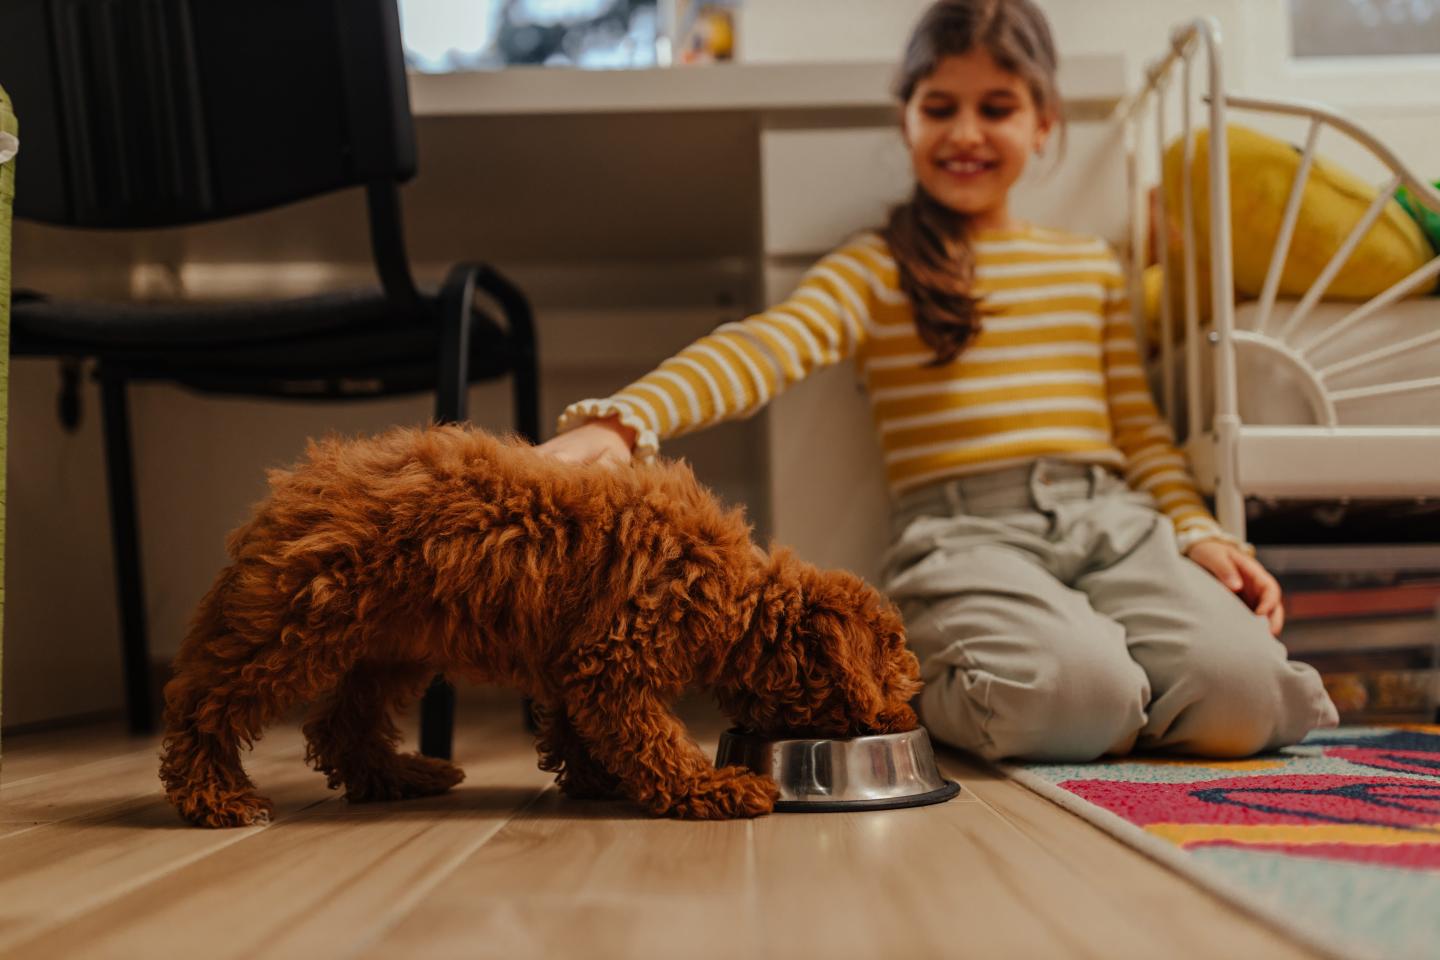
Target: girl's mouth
(966, 168)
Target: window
(1365, 28)
(442, 36)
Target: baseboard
(94, 718)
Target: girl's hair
(928, 240)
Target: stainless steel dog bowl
(861, 773)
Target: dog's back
(450, 523)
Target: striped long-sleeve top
(1054, 371)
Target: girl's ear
(1042, 132)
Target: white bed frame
(1322, 459)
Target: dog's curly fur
(600, 593)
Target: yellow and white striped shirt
(1054, 371)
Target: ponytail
(931, 248)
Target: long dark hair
(930, 242)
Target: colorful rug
(1336, 840)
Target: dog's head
(825, 656)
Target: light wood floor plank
(1182, 919)
(952, 879)
(595, 879)
(29, 755)
(63, 869)
(319, 881)
(567, 878)
(591, 879)
(89, 787)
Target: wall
(789, 30)
(1396, 101)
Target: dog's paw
(226, 810)
(581, 778)
(409, 776)
(592, 788)
(729, 793)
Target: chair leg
(524, 382)
(125, 540)
(437, 707)
(524, 364)
(453, 381)
(525, 388)
(437, 719)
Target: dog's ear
(872, 665)
(898, 669)
(863, 637)
(855, 666)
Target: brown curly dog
(602, 594)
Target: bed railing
(1212, 435)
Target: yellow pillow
(1262, 170)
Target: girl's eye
(997, 111)
(938, 111)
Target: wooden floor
(94, 864)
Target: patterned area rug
(1336, 840)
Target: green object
(1428, 219)
(9, 131)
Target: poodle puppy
(602, 594)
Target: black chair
(161, 113)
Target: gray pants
(1055, 619)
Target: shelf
(759, 87)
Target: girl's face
(970, 127)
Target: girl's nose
(965, 130)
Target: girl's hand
(1242, 573)
(606, 441)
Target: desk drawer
(822, 186)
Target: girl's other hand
(606, 441)
(1242, 573)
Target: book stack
(1367, 616)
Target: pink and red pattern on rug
(1364, 817)
(1338, 836)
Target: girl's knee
(1237, 703)
(1062, 708)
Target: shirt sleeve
(1153, 463)
(739, 367)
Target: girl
(1062, 583)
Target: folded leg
(564, 754)
(351, 737)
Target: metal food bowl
(861, 773)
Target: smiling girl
(1066, 589)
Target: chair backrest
(149, 113)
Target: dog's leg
(204, 779)
(200, 760)
(352, 736)
(564, 754)
(239, 669)
(631, 731)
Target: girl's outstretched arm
(739, 367)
